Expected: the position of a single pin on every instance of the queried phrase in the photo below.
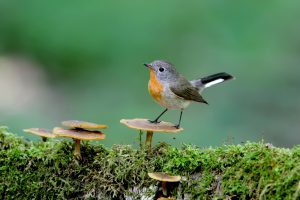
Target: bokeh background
(83, 60)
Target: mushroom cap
(160, 176)
(79, 134)
(145, 125)
(40, 132)
(82, 124)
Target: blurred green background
(83, 60)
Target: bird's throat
(155, 87)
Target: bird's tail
(211, 80)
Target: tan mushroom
(40, 132)
(145, 125)
(78, 135)
(77, 124)
(164, 178)
(166, 198)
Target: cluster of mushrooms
(75, 129)
(150, 128)
(81, 130)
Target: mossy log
(37, 170)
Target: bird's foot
(154, 121)
(177, 126)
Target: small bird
(173, 91)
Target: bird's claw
(154, 121)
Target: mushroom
(146, 125)
(80, 130)
(166, 198)
(164, 178)
(40, 132)
(78, 135)
(77, 124)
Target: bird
(173, 91)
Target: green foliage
(49, 171)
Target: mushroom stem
(44, 139)
(149, 139)
(77, 148)
(164, 188)
(140, 138)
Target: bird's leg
(156, 120)
(178, 125)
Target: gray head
(163, 70)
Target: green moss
(48, 171)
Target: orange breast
(154, 86)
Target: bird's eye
(161, 69)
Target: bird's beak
(148, 65)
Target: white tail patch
(220, 80)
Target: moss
(47, 170)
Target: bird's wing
(186, 91)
